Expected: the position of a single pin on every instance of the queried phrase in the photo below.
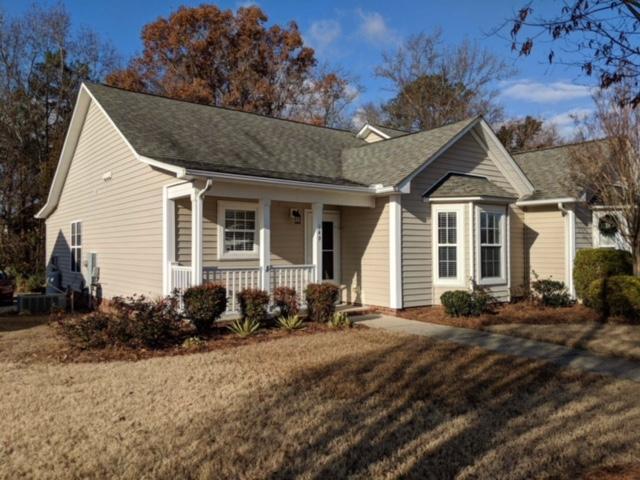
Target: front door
(330, 244)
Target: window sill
(239, 256)
(488, 282)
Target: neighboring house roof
(202, 137)
(455, 185)
(391, 161)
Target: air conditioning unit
(34, 303)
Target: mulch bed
(219, 338)
(519, 312)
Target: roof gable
(464, 185)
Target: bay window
(448, 243)
(491, 244)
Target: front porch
(259, 237)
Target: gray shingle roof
(549, 169)
(458, 185)
(217, 139)
(391, 161)
(214, 139)
(392, 132)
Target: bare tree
(610, 170)
(41, 66)
(527, 133)
(603, 34)
(434, 84)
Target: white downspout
(570, 245)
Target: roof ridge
(386, 141)
(219, 107)
(564, 145)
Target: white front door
(330, 244)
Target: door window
(328, 251)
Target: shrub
(194, 344)
(253, 304)
(321, 301)
(87, 331)
(457, 303)
(149, 323)
(596, 263)
(462, 303)
(203, 305)
(286, 299)
(551, 293)
(291, 323)
(616, 296)
(30, 283)
(340, 320)
(245, 327)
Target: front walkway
(522, 347)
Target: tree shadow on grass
(422, 409)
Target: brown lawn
(601, 338)
(357, 403)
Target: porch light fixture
(295, 215)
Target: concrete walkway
(521, 347)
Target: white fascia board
(234, 177)
(68, 149)
(370, 128)
(529, 188)
(549, 201)
(178, 171)
(436, 155)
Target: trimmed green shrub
(321, 301)
(286, 299)
(462, 303)
(616, 296)
(596, 263)
(203, 305)
(551, 293)
(254, 305)
(457, 303)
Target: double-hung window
(76, 247)
(448, 241)
(238, 230)
(492, 255)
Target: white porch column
(395, 252)
(316, 239)
(196, 237)
(168, 240)
(264, 213)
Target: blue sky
(353, 34)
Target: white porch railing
(237, 279)
(294, 276)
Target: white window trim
(222, 207)
(73, 247)
(459, 280)
(502, 279)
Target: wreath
(608, 226)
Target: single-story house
(153, 194)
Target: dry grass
(600, 338)
(357, 403)
(521, 312)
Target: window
(491, 244)
(238, 230)
(447, 245)
(606, 230)
(76, 246)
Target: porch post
(265, 243)
(196, 237)
(316, 239)
(168, 240)
(395, 252)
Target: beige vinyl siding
(466, 156)
(584, 231)
(121, 217)
(365, 253)
(545, 242)
(287, 238)
(518, 276)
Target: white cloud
(565, 122)
(538, 92)
(246, 3)
(323, 33)
(374, 29)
